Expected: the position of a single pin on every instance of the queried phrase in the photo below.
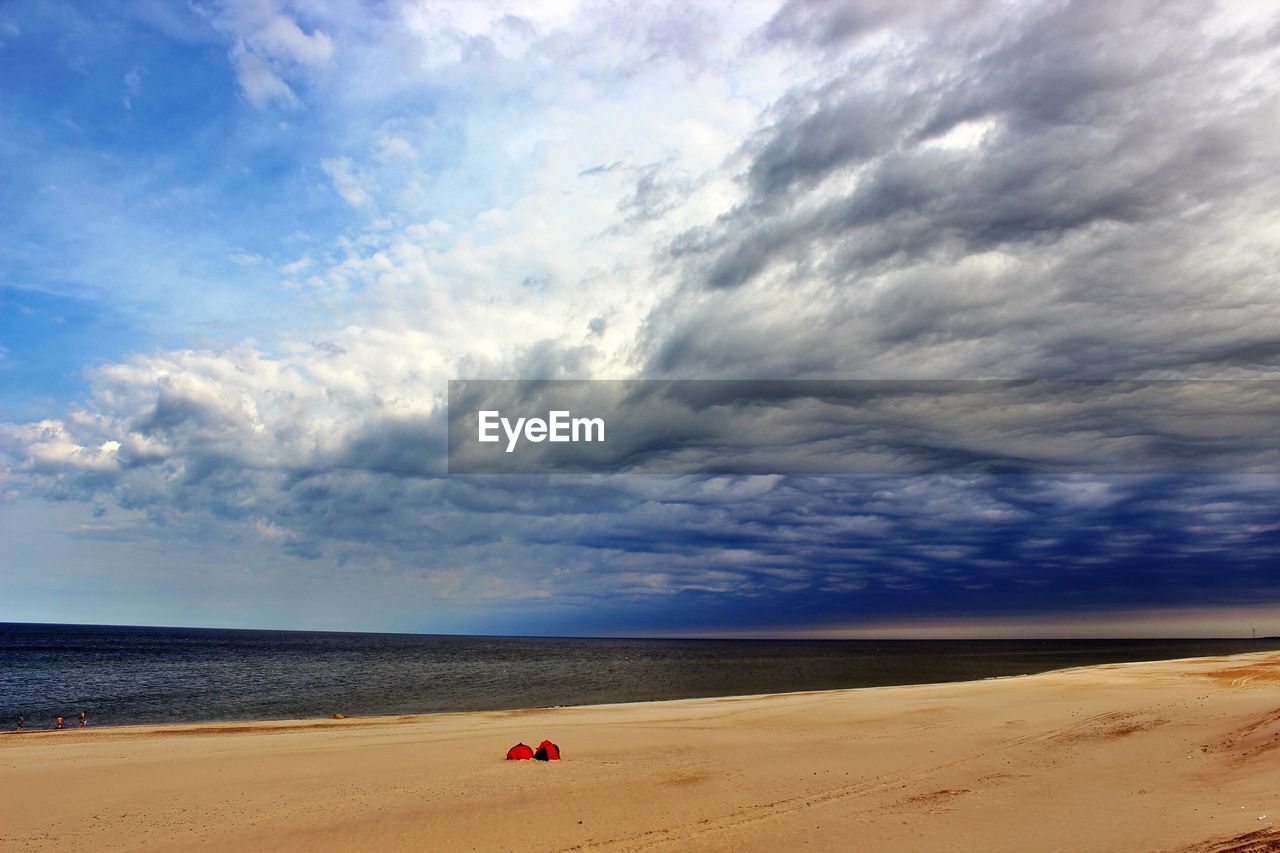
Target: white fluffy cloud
(270, 47)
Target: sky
(247, 244)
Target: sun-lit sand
(1152, 756)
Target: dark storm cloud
(860, 547)
(830, 427)
(847, 546)
(399, 446)
(1002, 187)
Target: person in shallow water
(84, 718)
(22, 721)
(57, 721)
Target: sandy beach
(1175, 755)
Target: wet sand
(1172, 755)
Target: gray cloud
(358, 492)
(656, 193)
(1067, 189)
(809, 23)
(826, 427)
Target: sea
(133, 675)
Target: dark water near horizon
(125, 675)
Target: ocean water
(127, 675)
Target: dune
(1171, 755)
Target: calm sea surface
(123, 675)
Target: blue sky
(248, 243)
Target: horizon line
(710, 637)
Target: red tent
(519, 752)
(547, 751)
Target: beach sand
(1153, 756)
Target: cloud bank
(359, 204)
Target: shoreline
(1163, 755)
(389, 718)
